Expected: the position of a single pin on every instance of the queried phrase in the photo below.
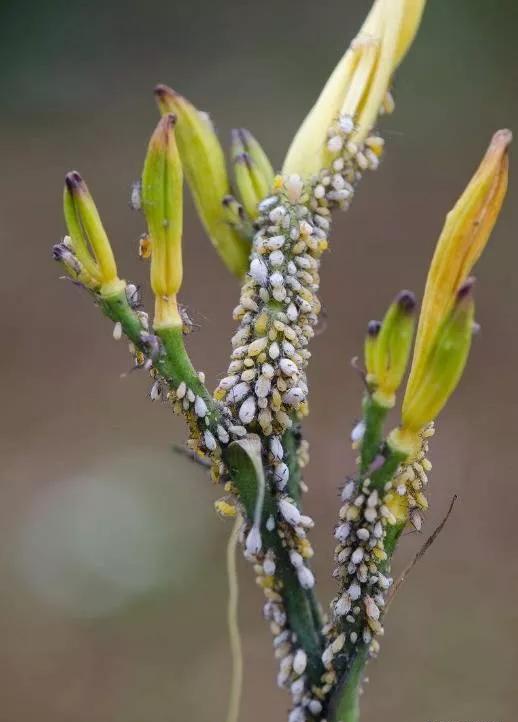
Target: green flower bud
(204, 165)
(373, 330)
(88, 240)
(253, 172)
(445, 364)
(392, 348)
(162, 203)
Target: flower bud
(373, 330)
(88, 240)
(204, 165)
(253, 171)
(464, 237)
(445, 363)
(358, 87)
(162, 203)
(392, 348)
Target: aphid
(200, 407)
(133, 295)
(156, 391)
(253, 542)
(117, 331)
(306, 578)
(247, 410)
(135, 200)
(210, 441)
(289, 511)
(144, 247)
(300, 661)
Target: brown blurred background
(112, 577)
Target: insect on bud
(358, 87)
(204, 165)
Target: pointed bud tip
(243, 159)
(466, 289)
(73, 181)
(406, 301)
(373, 328)
(163, 91)
(501, 140)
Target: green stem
(345, 705)
(373, 416)
(170, 358)
(299, 603)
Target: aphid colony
(278, 309)
(362, 563)
(266, 384)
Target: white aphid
(274, 350)
(357, 555)
(200, 407)
(238, 392)
(247, 410)
(223, 434)
(294, 396)
(342, 532)
(358, 432)
(275, 242)
(117, 331)
(287, 367)
(300, 661)
(276, 258)
(259, 271)
(229, 381)
(354, 591)
(282, 474)
(296, 559)
(306, 578)
(289, 511)
(276, 447)
(156, 391)
(253, 542)
(210, 441)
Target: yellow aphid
(224, 509)
(278, 182)
(144, 247)
(398, 505)
(261, 324)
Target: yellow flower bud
(162, 203)
(359, 84)
(88, 238)
(204, 165)
(445, 364)
(464, 237)
(369, 349)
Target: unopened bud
(204, 166)
(392, 348)
(162, 203)
(88, 238)
(464, 237)
(253, 171)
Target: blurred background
(112, 576)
